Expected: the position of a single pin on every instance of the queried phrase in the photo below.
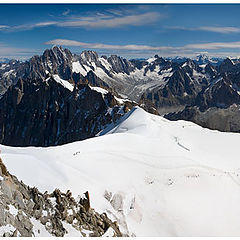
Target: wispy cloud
(129, 50)
(13, 52)
(24, 27)
(131, 20)
(99, 20)
(185, 50)
(223, 30)
(44, 24)
(3, 27)
(66, 42)
(115, 12)
(214, 45)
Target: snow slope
(156, 177)
(64, 83)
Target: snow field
(154, 176)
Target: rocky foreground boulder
(26, 212)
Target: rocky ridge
(26, 212)
(52, 112)
(183, 86)
(222, 119)
(166, 83)
(160, 86)
(216, 106)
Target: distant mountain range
(61, 97)
(199, 59)
(4, 60)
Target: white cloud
(115, 12)
(131, 20)
(143, 50)
(3, 27)
(67, 42)
(99, 20)
(12, 52)
(44, 24)
(23, 27)
(224, 30)
(130, 51)
(213, 45)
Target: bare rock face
(26, 212)
(222, 94)
(182, 87)
(45, 113)
(8, 74)
(37, 110)
(222, 119)
(53, 61)
(229, 66)
(94, 80)
(216, 106)
(120, 65)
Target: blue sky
(129, 30)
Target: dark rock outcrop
(181, 89)
(216, 106)
(26, 212)
(45, 113)
(222, 119)
(120, 65)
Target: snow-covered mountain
(154, 176)
(130, 78)
(8, 74)
(114, 71)
(120, 74)
(181, 89)
(4, 60)
(216, 106)
(205, 59)
(200, 59)
(165, 82)
(159, 85)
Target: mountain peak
(89, 55)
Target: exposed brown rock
(3, 168)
